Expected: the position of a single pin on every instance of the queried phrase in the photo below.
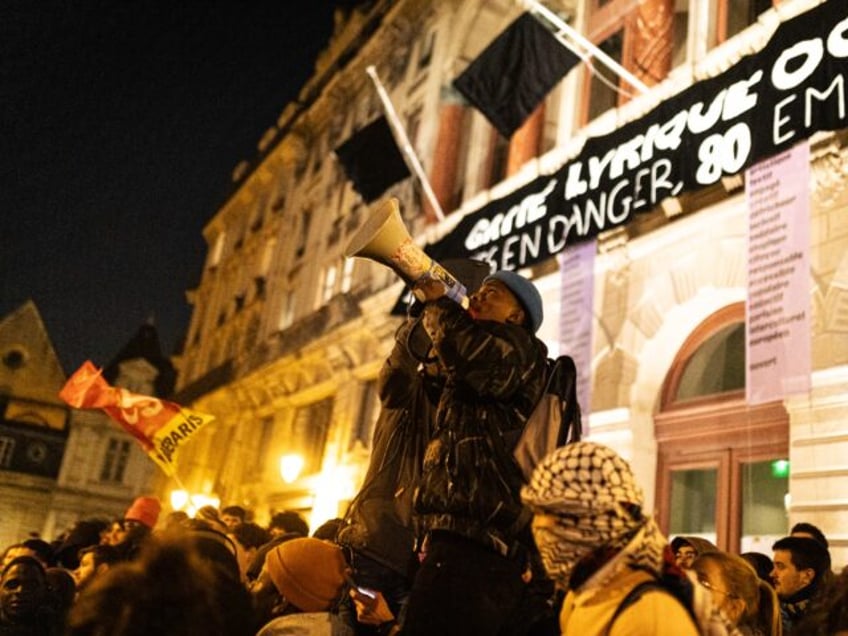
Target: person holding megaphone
(481, 573)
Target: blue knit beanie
(525, 292)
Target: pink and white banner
(778, 309)
(576, 317)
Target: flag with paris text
(160, 427)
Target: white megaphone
(384, 239)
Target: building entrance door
(722, 470)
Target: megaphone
(384, 239)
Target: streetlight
(290, 467)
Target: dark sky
(120, 124)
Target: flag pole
(575, 35)
(406, 146)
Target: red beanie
(307, 572)
(145, 510)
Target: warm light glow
(198, 501)
(334, 485)
(290, 467)
(179, 498)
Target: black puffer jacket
(380, 520)
(494, 375)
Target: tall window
(115, 461)
(603, 84)
(303, 236)
(729, 17)
(7, 451)
(311, 425)
(367, 416)
(329, 286)
(287, 312)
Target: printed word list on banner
(778, 312)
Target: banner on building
(778, 355)
(372, 160)
(577, 316)
(764, 104)
(160, 427)
(512, 75)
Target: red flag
(159, 426)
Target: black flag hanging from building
(372, 160)
(512, 75)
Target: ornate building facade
(287, 336)
(58, 465)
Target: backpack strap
(640, 590)
(562, 381)
(634, 595)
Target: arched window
(720, 461)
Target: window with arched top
(719, 472)
(711, 363)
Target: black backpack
(554, 421)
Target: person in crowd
(687, 549)
(248, 537)
(479, 547)
(115, 533)
(94, 560)
(231, 516)
(62, 591)
(301, 589)
(144, 511)
(35, 548)
(748, 602)
(800, 574)
(761, 563)
(379, 528)
(329, 530)
(284, 526)
(136, 527)
(181, 584)
(18, 550)
(829, 617)
(804, 529)
(82, 534)
(288, 522)
(210, 515)
(25, 604)
(599, 544)
(175, 519)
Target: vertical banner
(778, 307)
(576, 316)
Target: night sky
(120, 125)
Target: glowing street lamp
(179, 498)
(290, 467)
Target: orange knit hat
(145, 510)
(307, 572)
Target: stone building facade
(287, 336)
(59, 465)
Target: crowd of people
(444, 537)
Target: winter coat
(379, 522)
(307, 624)
(494, 375)
(589, 611)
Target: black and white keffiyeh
(590, 501)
